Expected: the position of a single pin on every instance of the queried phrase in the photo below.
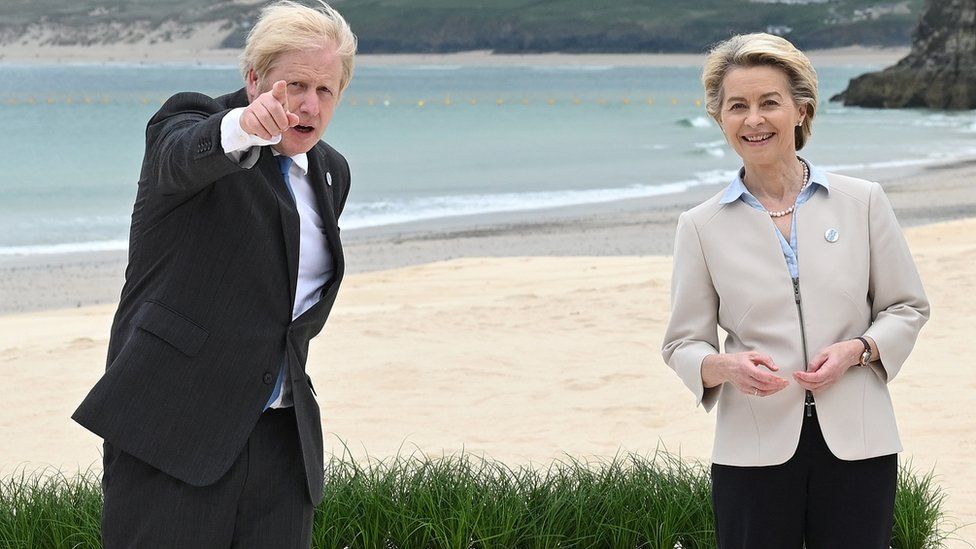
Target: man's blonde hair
(287, 26)
(756, 50)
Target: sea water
(423, 141)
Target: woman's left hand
(829, 365)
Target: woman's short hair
(287, 26)
(761, 49)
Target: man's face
(313, 77)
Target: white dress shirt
(315, 263)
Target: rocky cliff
(940, 71)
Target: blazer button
(268, 378)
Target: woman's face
(758, 114)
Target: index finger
(278, 91)
(765, 360)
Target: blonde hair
(761, 49)
(287, 26)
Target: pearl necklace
(806, 181)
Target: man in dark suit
(212, 434)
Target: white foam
(696, 122)
(573, 68)
(388, 212)
(712, 148)
(931, 159)
(67, 248)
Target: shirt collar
(300, 160)
(737, 188)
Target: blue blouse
(738, 191)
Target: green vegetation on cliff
(501, 25)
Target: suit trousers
(814, 499)
(262, 501)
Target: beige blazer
(729, 272)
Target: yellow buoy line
(449, 100)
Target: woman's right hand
(749, 372)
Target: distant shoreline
(151, 54)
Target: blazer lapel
(290, 223)
(320, 178)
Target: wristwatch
(866, 355)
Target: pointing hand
(268, 116)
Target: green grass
(465, 502)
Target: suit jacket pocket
(172, 327)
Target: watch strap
(866, 355)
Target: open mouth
(303, 129)
(759, 138)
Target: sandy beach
(524, 337)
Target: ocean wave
(430, 67)
(388, 212)
(573, 68)
(931, 159)
(942, 121)
(695, 122)
(712, 148)
(654, 147)
(66, 248)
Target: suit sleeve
(899, 307)
(183, 146)
(692, 332)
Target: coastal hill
(504, 26)
(940, 71)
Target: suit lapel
(290, 223)
(319, 177)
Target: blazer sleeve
(899, 306)
(183, 150)
(692, 332)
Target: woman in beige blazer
(810, 278)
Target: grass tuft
(467, 502)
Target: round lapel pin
(831, 235)
(328, 178)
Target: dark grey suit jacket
(205, 317)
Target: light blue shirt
(737, 191)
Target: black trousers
(262, 501)
(814, 499)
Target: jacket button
(268, 378)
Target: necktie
(284, 164)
